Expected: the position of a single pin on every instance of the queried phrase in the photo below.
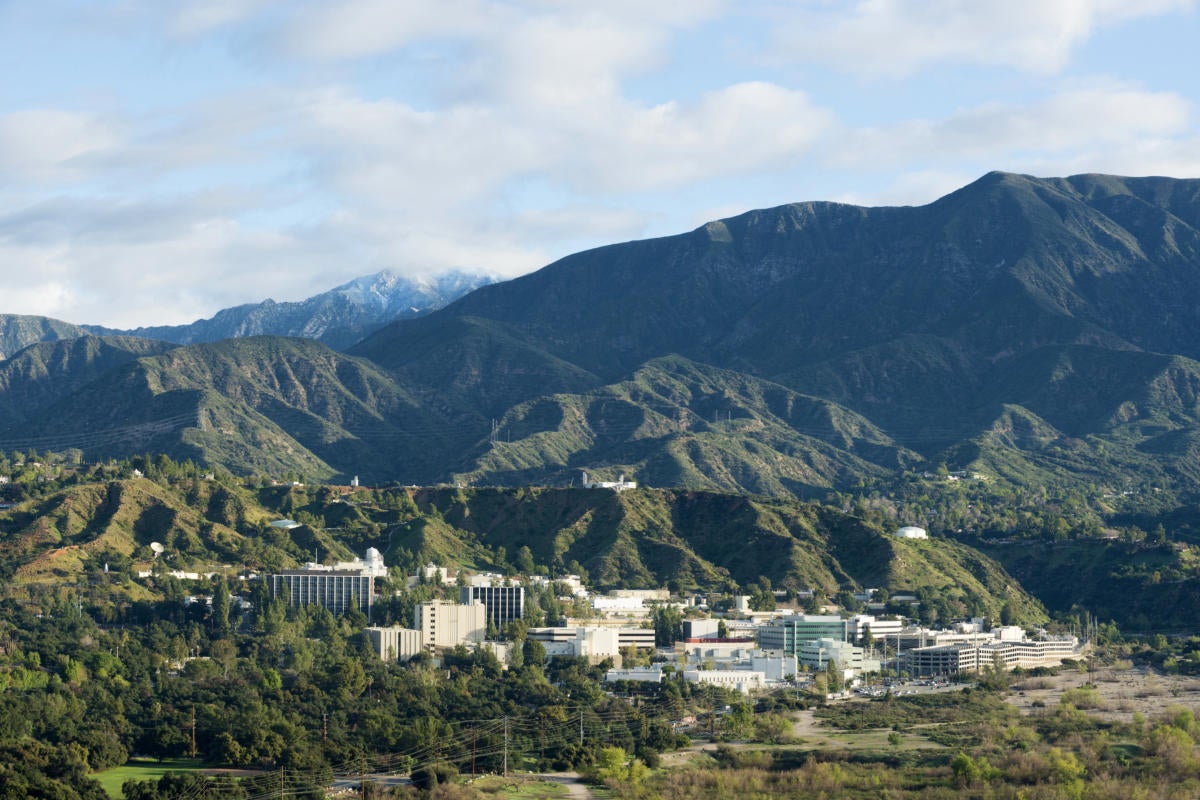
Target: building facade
(443, 624)
(503, 603)
(952, 659)
(395, 643)
(335, 590)
(787, 634)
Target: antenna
(157, 548)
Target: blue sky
(162, 159)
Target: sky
(163, 159)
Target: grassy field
(143, 770)
(520, 788)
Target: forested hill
(1039, 332)
(642, 538)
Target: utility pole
(506, 747)
(324, 727)
(581, 727)
(193, 730)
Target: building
(912, 532)
(1004, 654)
(503, 603)
(881, 629)
(775, 668)
(817, 655)
(787, 634)
(395, 643)
(619, 485)
(742, 680)
(702, 628)
(444, 624)
(641, 638)
(705, 649)
(337, 590)
(372, 565)
(641, 674)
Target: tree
(220, 606)
(524, 561)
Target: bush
(428, 777)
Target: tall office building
(444, 624)
(787, 634)
(503, 603)
(337, 590)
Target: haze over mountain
(1030, 329)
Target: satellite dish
(157, 548)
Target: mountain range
(339, 318)
(1027, 329)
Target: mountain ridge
(1032, 329)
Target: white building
(880, 629)
(912, 532)
(592, 643)
(999, 653)
(619, 485)
(744, 681)
(444, 624)
(631, 607)
(372, 565)
(775, 667)
(851, 661)
(641, 674)
(395, 643)
(715, 649)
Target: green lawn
(142, 769)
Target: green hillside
(641, 538)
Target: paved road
(576, 788)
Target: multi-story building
(882, 630)
(787, 634)
(337, 590)
(443, 624)
(851, 660)
(503, 603)
(1004, 654)
(347, 584)
(395, 643)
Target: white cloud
(195, 17)
(1081, 120)
(360, 28)
(894, 38)
(48, 145)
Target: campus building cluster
(737, 647)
